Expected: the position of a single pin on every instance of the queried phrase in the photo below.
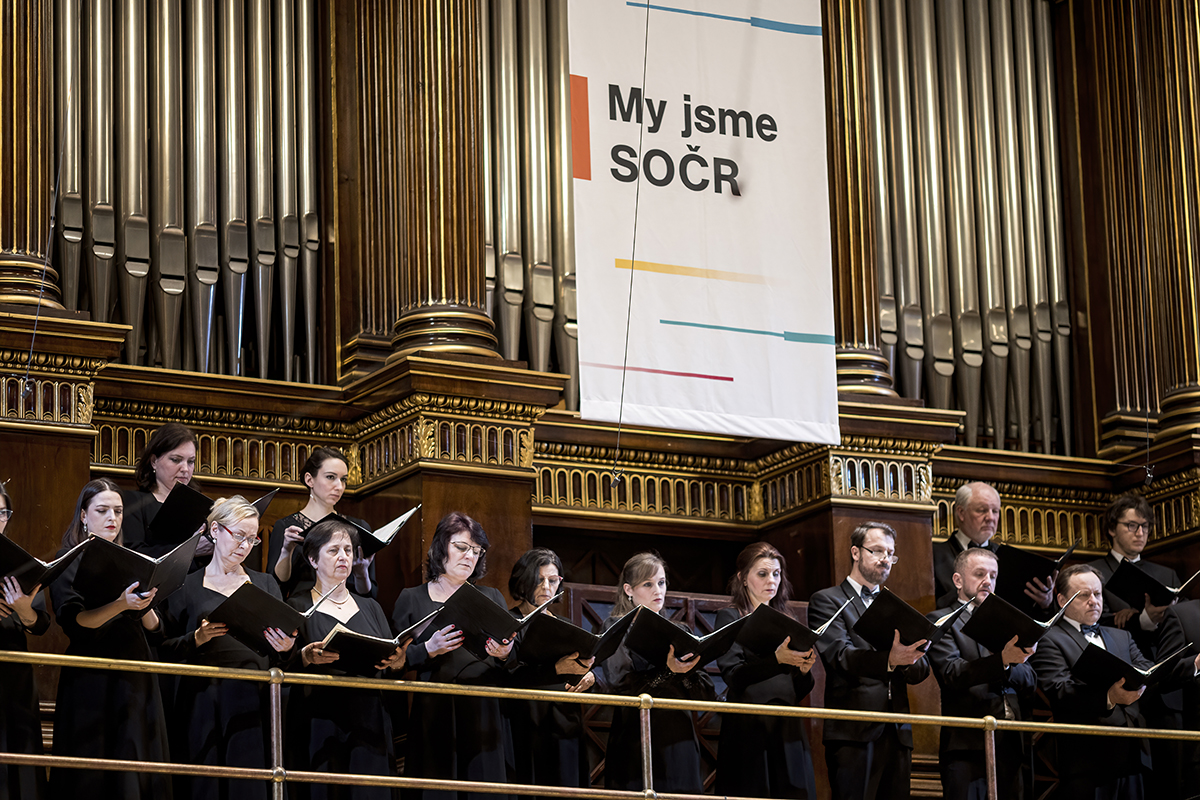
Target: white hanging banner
(730, 316)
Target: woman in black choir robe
(221, 722)
(676, 749)
(762, 756)
(338, 731)
(98, 713)
(20, 722)
(325, 474)
(169, 458)
(547, 737)
(462, 738)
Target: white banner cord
(617, 472)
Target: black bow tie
(1093, 629)
(868, 595)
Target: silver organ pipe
(911, 353)
(535, 184)
(987, 219)
(960, 229)
(888, 331)
(485, 162)
(261, 173)
(562, 199)
(69, 97)
(1037, 292)
(287, 218)
(100, 212)
(309, 185)
(203, 271)
(510, 270)
(1056, 270)
(233, 232)
(133, 228)
(1013, 228)
(935, 291)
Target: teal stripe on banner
(787, 336)
(754, 22)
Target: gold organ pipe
(133, 228)
(68, 98)
(562, 200)
(510, 271)
(100, 224)
(884, 262)
(487, 177)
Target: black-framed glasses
(882, 555)
(1134, 527)
(465, 548)
(251, 540)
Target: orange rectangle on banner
(581, 137)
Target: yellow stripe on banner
(691, 272)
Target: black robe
(676, 748)
(338, 731)
(762, 756)
(464, 738)
(103, 714)
(547, 737)
(217, 722)
(20, 721)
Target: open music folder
(29, 571)
(107, 569)
(888, 614)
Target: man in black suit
(976, 519)
(1180, 626)
(866, 760)
(1129, 520)
(1091, 767)
(976, 682)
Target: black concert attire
(217, 722)
(676, 748)
(547, 737)
(1091, 767)
(944, 554)
(339, 731)
(1162, 710)
(303, 578)
(20, 720)
(975, 683)
(462, 738)
(106, 714)
(1180, 626)
(866, 760)
(762, 756)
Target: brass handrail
(644, 702)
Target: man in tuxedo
(1129, 520)
(976, 682)
(866, 760)
(1091, 767)
(1181, 626)
(976, 519)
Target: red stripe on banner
(581, 134)
(660, 371)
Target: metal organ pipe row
(190, 149)
(972, 282)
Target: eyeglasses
(251, 540)
(1134, 527)
(465, 548)
(882, 555)
(5, 513)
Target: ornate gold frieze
(1176, 502)
(228, 418)
(41, 399)
(43, 363)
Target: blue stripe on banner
(754, 22)
(787, 336)
(785, 27)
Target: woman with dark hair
(221, 722)
(325, 474)
(168, 458)
(100, 713)
(20, 722)
(676, 748)
(547, 737)
(763, 756)
(332, 730)
(462, 738)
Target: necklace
(316, 595)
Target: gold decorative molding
(1176, 502)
